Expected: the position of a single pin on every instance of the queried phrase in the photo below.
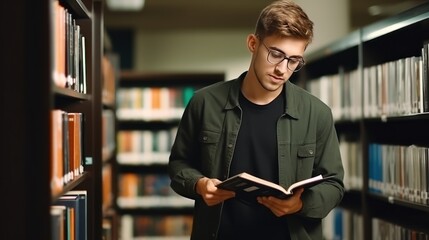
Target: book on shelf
(383, 229)
(153, 103)
(69, 45)
(107, 192)
(148, 191)
(58, 220)
(247, 187)
(76, 204)
(156, 227)
(75, 144)
(403, 175)
(71, 210)
(83, 62)
(425, 71)
(57, 156)
(145, 147)
(82, 214)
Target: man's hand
(212, 195)
(282, 207)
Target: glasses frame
(297, 68)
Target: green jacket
(307, 142)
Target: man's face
(275, 58)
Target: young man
(262, 124)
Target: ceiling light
(375, 10)
(125, 5)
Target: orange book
(76, 214)
(75, 143)
(129, 185)
(57, 159)
(72, 223)
(107, 187)
(156, 98)
(125, 141)
(60, 42)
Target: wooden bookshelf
(386, 109)
(29, 95)
(110, 77)
(149, 108)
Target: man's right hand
(212, 195)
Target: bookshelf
(110, 64)
(149, 108)
(33, 86)
(375, 80)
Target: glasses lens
(294, 64)
(275, 57)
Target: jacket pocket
(307, 151)
(306, 155)
(209, 142)
(208, 137)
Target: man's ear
(252, 42)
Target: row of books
(69, 216)
(67, 148)
(341, 224)
(351, 155)
(382, 229)
(394, 88)
(69, 49)
(152, 103)
(342, 92)
(145, 146)
(148, 190)
(399, 171)
(159, 227)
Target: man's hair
(285, 19)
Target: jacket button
(205, 138)
(311, 152)
(230, 145)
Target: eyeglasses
(294, 64)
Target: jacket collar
(234, 92)
(291, 100)
(290, 96)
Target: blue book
(78, 201)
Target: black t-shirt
(255, 153)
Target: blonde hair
(286, 19)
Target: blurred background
(156, 41)
(205, 36)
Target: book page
(305, 182)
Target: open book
(248, 187)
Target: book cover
(58, 222)
(75, 143)
(81, 212)
(425, 70)
(161, 226)
(57, 157)
(248, 187)
(76, 204)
